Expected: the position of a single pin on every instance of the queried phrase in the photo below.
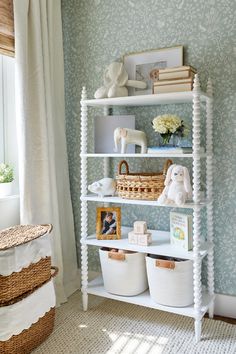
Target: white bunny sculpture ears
(115, 82)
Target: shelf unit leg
(198, 330)
(197, 262)
(209, 184)
(211, 310)
(84, 206)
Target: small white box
(145, 239)
(140, 227)
(132, 238)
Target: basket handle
(117, 256)
(50, 227)
(163, 263)
(166, 166)
(56, 270)
(121, 163)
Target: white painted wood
(160, 244)
(84, 212)
(225, 305)
(198, 329)
(202, 301)
(96, 287)
(118, 200)
(197, 285)
(146, 100)
(141, 155)
(209, 187)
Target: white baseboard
(225, 305)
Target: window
(8, 138)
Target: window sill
(9, 197)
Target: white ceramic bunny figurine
(178, 188)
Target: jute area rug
(114, 327)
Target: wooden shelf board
(160, 245)
(118, 200)
(146, 100)
(96, 287)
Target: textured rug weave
(114, 327)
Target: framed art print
(142, 66)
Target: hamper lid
(20, 234)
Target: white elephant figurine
(103, 187)
(115, 82)
(130, 136)
(178, 188)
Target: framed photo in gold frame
(142, 65)
(108, 223)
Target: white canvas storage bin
(170, 280)
(123, 273)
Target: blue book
(168, 149)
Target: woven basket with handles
(141, 185)
(37, 333)
(18, 283)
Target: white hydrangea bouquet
(168, 125)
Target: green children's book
(181, 230)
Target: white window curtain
(43, 165)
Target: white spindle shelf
(173, 155)
(203, 299)
(147, 100)
(119, 200)
(96, 287)
(160, 245)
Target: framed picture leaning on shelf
(143, 66)
(108, 224)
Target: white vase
(5, 189)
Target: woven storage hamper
(141, 185)
(27, 321)
(25, 259)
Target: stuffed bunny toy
(177, 186)
(115, 81)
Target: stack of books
(176, 79)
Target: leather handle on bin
(117, 256)
(162, 263)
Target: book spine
(177, 75)
(172, 88)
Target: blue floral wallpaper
(97, 32)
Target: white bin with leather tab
(170, 280)
(123, 273)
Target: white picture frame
(139, 65)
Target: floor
(114, 327)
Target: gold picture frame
(140, 65)
(108, 223)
